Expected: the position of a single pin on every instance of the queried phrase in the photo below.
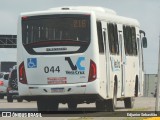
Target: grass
(135, 118)
(81, 118)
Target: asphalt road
(85, 111)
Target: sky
(147, 12)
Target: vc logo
(77, 65)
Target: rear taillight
(24, 18)
(8, 89)
(22, 74)
(1, 83)
(92, 71)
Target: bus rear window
(63, 34)
(55, 28)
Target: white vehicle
(3, 84)
(79, 55)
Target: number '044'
(52, 69)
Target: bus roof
(101, 13)
(86, 8)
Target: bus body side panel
(120, 75)
(114, 71)
(114, 74)
(103, 76)
(132, 69)
(95, 57)
(140, 56)
(22, 88)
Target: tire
(9, 98)
(14, 84)
(72, 106)
(129, 102)
(47, 105)
(136, 88)
(53, 105)
(101, 105)
(112, 103)
(41, 106)
(19, 100)
(1, 97)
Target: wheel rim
(14, 83)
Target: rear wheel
(19, 100)
(129, 102)
(1, 96)
(47, 105)
(72, 106)
(14, 84)
(9, 98)
(111, 103)
(41, 106)
(136, 88)
(53, 105)
(101, 105)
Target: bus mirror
(144, 42)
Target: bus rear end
(56, 59)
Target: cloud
(7, 23)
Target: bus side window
(100, 38)
(104, 38)
(110, 38)
(134, 43)
(113, 38)
(29, 34)
(24, 34)
(125, 37)
(130, 40)
(116, 39)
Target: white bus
(79, 55)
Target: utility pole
(158, 81)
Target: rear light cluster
(1, 83)
(24, 17)
(22, 74)
(9, 89)
(92, 71)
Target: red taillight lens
(92, 71)
(8, 89)
(1, 83)
(24, 18)
(22, 74)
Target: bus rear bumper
(81, 98)
(81, 92)
(59, 89)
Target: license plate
(57, 80)
(13, 91)
(57, 90)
